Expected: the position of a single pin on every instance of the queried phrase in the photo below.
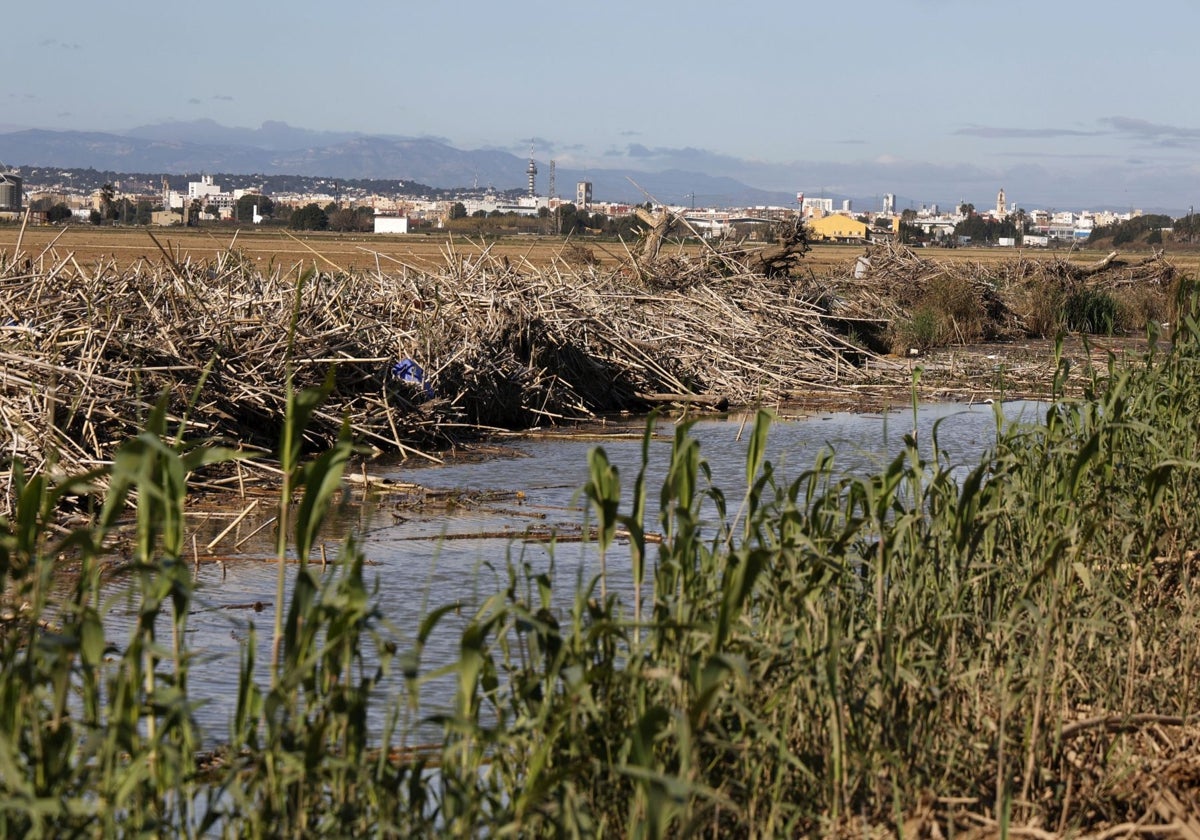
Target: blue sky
(1062, 104)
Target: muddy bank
(993, 371)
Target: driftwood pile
(85, 351)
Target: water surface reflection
(420, 559)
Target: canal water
(423, 556)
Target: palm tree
(107, 196)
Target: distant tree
(58, 213)
(458, 210)
(193, 213)
(570, 220)
(347, 220)
(94, 217)
(309, 217)
(125, 211)
(910, 234)
(246, 204)
(1187, 226)
(144, 213)
(479, 214)
(624, 227)
(1131, 230)
(966, 209)
(1021, 220)
(107, 205)
(981, 229)
(355, 219)
(543, 212)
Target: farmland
(357, 251)
(128, 246)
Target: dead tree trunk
(659, 224)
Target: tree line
(1148, 227)
(565, 220)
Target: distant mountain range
(277, 148)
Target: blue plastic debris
(411, 372)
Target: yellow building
(838, 228)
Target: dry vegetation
(88, 348)
(509, 335)
(915, 653)
(907, 300)
(127, 247)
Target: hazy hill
(271, 135)
(37, 147)
(278, 149)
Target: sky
(1061, 104)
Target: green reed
(822, 651)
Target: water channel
(421, 559)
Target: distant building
(391, 224)
(491, 203)
(205, 191)
(583, 194)
(838, 228)
(814, 208)
(10, 192)
(203, 188)
(1001, 205)
(710, 223)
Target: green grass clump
(1090, 311)
(821, 653)
(949, 309)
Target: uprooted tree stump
(779, 259)
(659, 224)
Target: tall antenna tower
(532, 173)
(550, 193)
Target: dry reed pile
(86, 350)
(964, 302)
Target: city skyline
(924, 98)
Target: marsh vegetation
(1000, 647)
